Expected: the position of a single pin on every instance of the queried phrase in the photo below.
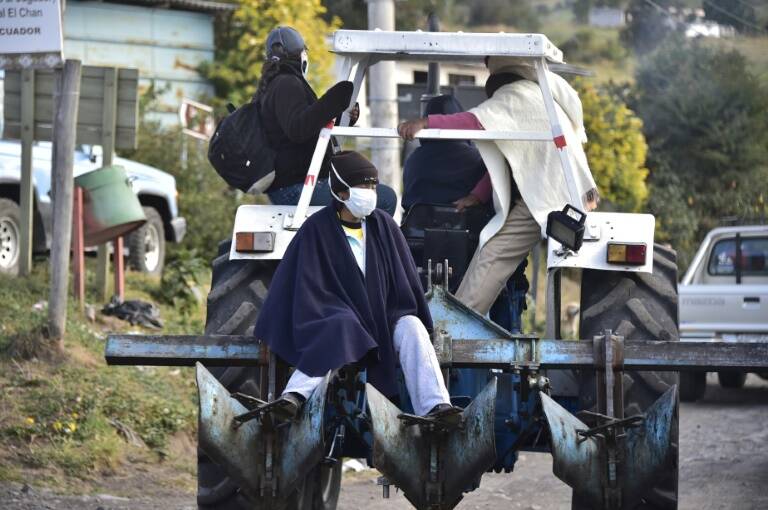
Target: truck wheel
(10, 236)
(732, 380)
(693, 386)
(238, 289)
(147, 244)
(638, 306)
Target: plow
(609, 457)
(605, 406)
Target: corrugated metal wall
(165, 45)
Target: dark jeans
(289, 195)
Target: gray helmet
(285, 43)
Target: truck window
(754, 252)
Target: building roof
(208, 6)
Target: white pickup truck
(724, 296)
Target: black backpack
(239, 151)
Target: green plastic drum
(110, 207)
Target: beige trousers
(494, 263)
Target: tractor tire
(321, 489)
(637, 306)
(238, 290)
(732, 380)
(693, 386)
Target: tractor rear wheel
(732, 380)
(637, 306)
(693, 386)
(238, 290)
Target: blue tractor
(605, 407)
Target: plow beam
(234, 350)
(433, 468)
(268, 464)
(610, 476)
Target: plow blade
(268, 465)
(583, 462)
(433, 468)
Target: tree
(648, 24)
(704, 118)
(616, 149)
(240, 50)
(409, 15)
(737, 13)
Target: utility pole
(433, 73)
(66, 100)
(385, 152)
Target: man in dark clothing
(347, 291)
(441, 171)
(293, 116)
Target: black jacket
(292, 117)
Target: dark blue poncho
(441, 171)
(321, 314)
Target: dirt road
(723, 465)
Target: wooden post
(64, 129)
(27, 200)
(78, 248)
(119, 269)
(108, 123)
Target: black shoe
(287, 407)
(282, 410)
(446, 415)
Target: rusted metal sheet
(266, 463)
(185, 350)
(432, 468)
(576, 461)
(581, 459)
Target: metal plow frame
(433, 468)
(268, 464)
(587, 464)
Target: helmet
(285, 43)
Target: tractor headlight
(567, 227)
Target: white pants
(423, 377)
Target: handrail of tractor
(445, 134)
(522, 352)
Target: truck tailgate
(718, 309)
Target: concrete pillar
(385, 153)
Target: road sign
(101, 93)
(30, 34)
(196, 119)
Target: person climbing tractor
(293, 116)
(347, 291)
(526, 177)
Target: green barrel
(110, 207)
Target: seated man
(444, 171)
(527, 177)
(347, 291)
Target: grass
(64, 421)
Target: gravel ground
(723, 465)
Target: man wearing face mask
(293, 116)
(347, 291)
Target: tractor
(606, 406)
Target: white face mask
(361, 201)
(304, 63)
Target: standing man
(347, 291)
(527, 177)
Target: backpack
(239, 151)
